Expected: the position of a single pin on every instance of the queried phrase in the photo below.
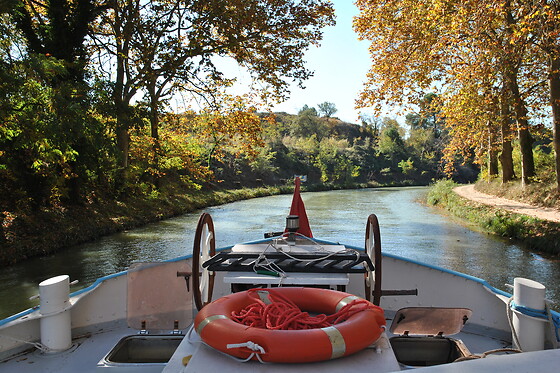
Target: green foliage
(544, 164)
(331, 151)
(441, 192)
(39, 146)
(407, 166)
(391, 143)
(307, 123)
(333, 161)
(174, 156)
(263, 162)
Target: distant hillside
(329, 150)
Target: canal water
(408, 229)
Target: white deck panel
(291, 278)
(81, 358)
(206, 359)
(527, 362)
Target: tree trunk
(154, 117)
(523, 134)
(512, 65)
(154, 132)
(123, 123)
(492, 155)
(506, 157)
(554, 85)
(526, 148)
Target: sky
(340, 65)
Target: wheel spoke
(204, 286)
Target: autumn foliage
(89, 90)
(493, 63)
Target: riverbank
(30, 234)
(469, 191)
(38, 233)
(534, 233)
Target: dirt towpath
(544, 213)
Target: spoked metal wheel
(372, 280)
(204, 248)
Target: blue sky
(340, 65)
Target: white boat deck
(83, 357)
(88, 350)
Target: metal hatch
(429, 321)
(157, 301)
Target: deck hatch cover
(430, 321)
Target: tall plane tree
(452, 45)
(161, 47)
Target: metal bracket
(399, 292)
(143, 329)
(187, 277)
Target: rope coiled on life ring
(345, 324)
(283, 314)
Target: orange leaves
(231, 124)
(406, 47)
(464, 50)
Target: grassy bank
(29, 234)
(36, 233)
(533, 233)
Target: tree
(513, 59)
(391, 143)
(333, 160)
(57, 28)
(307, 123)
(308, 111)
(461, 47)
(327, 109)
(161, 46)
(543, 23)
(371, 124)
(111, 45)
(54, 59)
(428, 115)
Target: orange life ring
(216, 328)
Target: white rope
(264, 263)
(283, 238)
(250, 345)
(552, 325)
(515, 338)
(321, 249)
(37, 345)
(257, 350)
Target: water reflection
(408, 229)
